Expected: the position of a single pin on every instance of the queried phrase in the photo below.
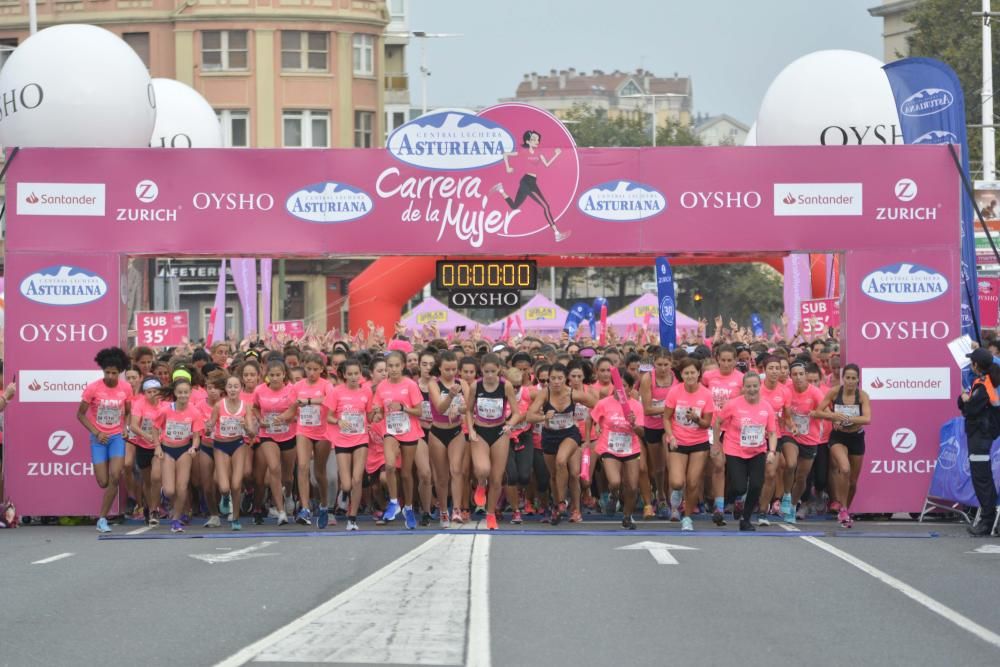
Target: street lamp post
(652, 97)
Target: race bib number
(682, 417)
(720, 395)
(561, 421)
(619, 442)
(752, 435)
(801, 423)
(489, 408)
(656, 403)
(309, 415)
(178, 431)
(354, 423)
(397, 423)
(109, 415)
(580, 412)
(848, 410)
(230, 427)
(271, 424)
(425, 411)
(146, 424)
(537, 428)
(457, 406)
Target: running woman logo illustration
(473, 204)
(622, 201)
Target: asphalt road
(887, 594)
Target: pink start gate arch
(75, 215)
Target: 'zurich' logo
(904, 283)
(927, 102)
(329, 202)
(63, 286)
(450, 140)
(622, 201)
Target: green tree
(675, 133)
(592, 128)
(947, 30)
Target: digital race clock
(488, 274)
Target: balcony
(397, 88)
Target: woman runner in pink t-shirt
(103, 412)
(312, 439)
(180, 425)
(229, 423)
(349, 410)
(275, 405)
(687, 416)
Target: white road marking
(429, 606)
(987, 549)
(945, 612)
(790, 528)
(140, 531)
(51, 559)
(660, 551)
(239, 554)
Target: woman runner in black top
(850, 410)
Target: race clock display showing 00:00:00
(487, 275)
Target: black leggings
(519, 459)
(529, 188)
(746, 476)
(541, 471)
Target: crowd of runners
(443, 431)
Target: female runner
(144, 413)
(180, 425)
(850, 409)
(230, 422)
(312, 439)
(274, 404)
(489, 434)
(653, 390)
(618, 446)
(103, 412)
(349, 408)
(687, 415)
(447, 442)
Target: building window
(139, 41)
(223, 50)
(364, 55)
(363, 126)
(306, 129)
(7, 46)
(631, 89)
(235, 127)
(393, 119)
(304, 51)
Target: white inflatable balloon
(751, 139)
(829, 98)
(75, 85)
(184, 119)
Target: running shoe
(282, 519)
(304, 517)
(391, 511)
(491, 522)
(746, 526)
(176, 526)
(289, 505)
(352, 525)
(236, 525)
(379, 518)
(628, 523)
(425, 519)
(687, 524)
(445, 524)
(480, 499)
(675, 515)
(185, 519)
(789, 518)
(102, 525)
(648, 512)
(456, 517)
(465, 516)
(786, 505)
(762, 520)
(801, 513)
(324, 518)
(226, 504)
(411, 521)
(342, 500)
(737, 509)
(835, 506)
(213, 522)
(529, 509)
(258, 518)
(844, 518)
(575, 517)
(272, 512)
(516, 519)
(718, 518)
(663, 510)
(153, 521)
(557, 513)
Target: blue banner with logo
(931, 110)
(599, 302)
(578, 313)
(756, 325)
(952, 478)
(666, 301)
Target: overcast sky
(732, 49)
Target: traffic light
(697, 296)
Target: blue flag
(932, 111)
(756, 325)
(666, 300)
(578, 313)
